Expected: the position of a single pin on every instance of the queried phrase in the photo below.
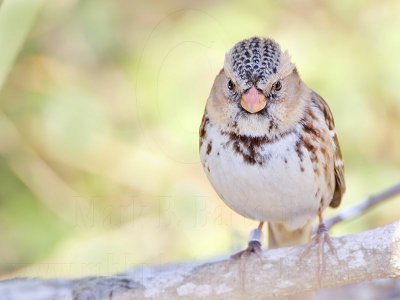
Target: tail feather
(280, 236)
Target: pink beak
(253, 101)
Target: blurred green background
(101, 104)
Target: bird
(268, 146)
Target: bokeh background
(100, 106)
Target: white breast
(283, 189)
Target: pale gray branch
(364, 256)
(362, 207)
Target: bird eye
(231, 85)
(277, 86)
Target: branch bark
(367, 204)
(364, 256)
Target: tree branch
(364, 256)
(365, 205)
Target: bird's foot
(254, 246)
(319, 240)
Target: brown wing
(340, 185)
(202, 130)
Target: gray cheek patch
(254, 60)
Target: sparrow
(269, 148)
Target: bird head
(258, 91)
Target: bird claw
(253, 247)
(320, 239)
(243, 256)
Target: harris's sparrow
(268, 145)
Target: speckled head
(258, 92)
(254, 61)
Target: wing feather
(340, 184)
